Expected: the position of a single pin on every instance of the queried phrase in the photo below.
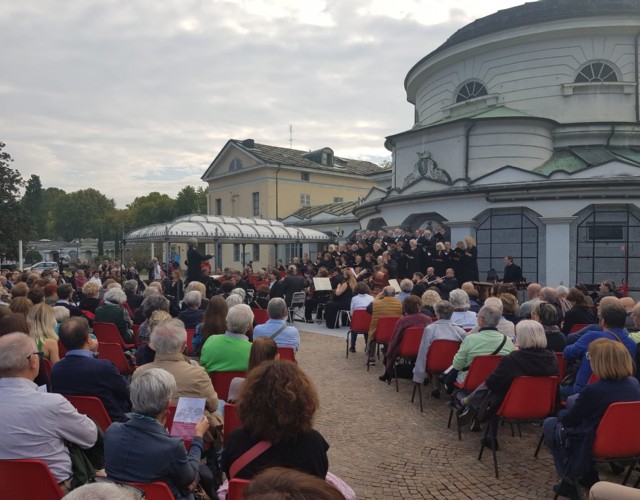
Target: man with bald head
(533, 290)
(36, 424)
(628, 303)
(385, 304)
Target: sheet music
(395, 285)
(322, 284)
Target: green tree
(50, 198)
(33, 208)
(11, 220)
(80, 214)
(190, 201)
(151, 209)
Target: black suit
(85, 376)
(292, 283)
(512, 274)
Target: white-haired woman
(155, 456)
(230, 352)
(112, 311)
(461, 316)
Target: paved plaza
(384, 447)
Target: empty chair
(27, 478)
(92, 407)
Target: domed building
(527, 136)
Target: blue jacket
(142, 451)
(78, 375)
(578, 350)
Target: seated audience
(412, 318)
(229, 352)
(510, 307)
(289, 484)
(547, 316)
(80, 373)
(134, 299)
(90, 302)
(192, 315)
(429, 300)
(36, 424)
(504, 326)
(385, 304)
(341, 300)
(65, 299)
(442, 329)
(406, 287)
(261, 298)
(141, 449)
(213, 322)
(461, 316)
(20, 305)
(571, 433)
(262, 349)
(277, 404)
(277, 328)
(42, 323)
(579, 313)
(112, 312)
(168, 340)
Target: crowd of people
(276, 401)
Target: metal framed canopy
(222, 229)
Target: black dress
(471, 264)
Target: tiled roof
(575, 159)
(339, 208)
(296, 158)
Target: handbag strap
(247, 457)
(504, 341)
(278, 331)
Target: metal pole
(20, 259)
(243, 256)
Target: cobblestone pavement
(383, 447)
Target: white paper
(188, 412)
(322, 284)
(395, 285)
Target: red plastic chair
(62, 350)
(28, 478)
(360, 323)
(287, 354)
(236, 489)
(617, 437)
(593, 379)
(481, 367)
(46, 367)
(530, 399)
(189, 347)
(231, 421)
(92, 407)
(88, 314)
(155, 491)
(408, 349)
(577, 327)
(562, 366)
(260, 316)
(384, 331)
(108, 332)
(222, 380)
(113, 352)
(135, 329)
(439, 358)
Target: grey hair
(239, 319)
(196, 285)
(14, 350)
(459, 299)
(491, 315)
(234, 299)
(240, 291)
(102, 491)
(151, 391)
(549, 294)
(444, 309)
(61, 313)
(562, 291)
(388, 291)
(169, 337)
(277, 308)
(530, 335)
(149, 291)
(115, 296)
(494, 302)
(154, 303)
(130, 286)
(192, 242)
(192, 299)
(406, 285)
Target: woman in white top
(461, 315)
(361, 297)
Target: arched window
(596, 72)
(236, 164)
(471, 90)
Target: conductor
(512, 272)
(194, 258)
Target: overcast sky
(133, 96)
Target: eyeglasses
(39, 354)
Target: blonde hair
(470, 241)
(430, 297)
(610, 359)
(198, 287)
(157, 317)
(530, 335)
(41, 321)
(91, 289)
(509, 303)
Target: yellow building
(247, 179)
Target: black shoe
(487, 443)
(589, 479)
(466, 415)
(352, 349)
(617, 469)
(455, 405)
(385, 377)
(566, 489)
(435, 393)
